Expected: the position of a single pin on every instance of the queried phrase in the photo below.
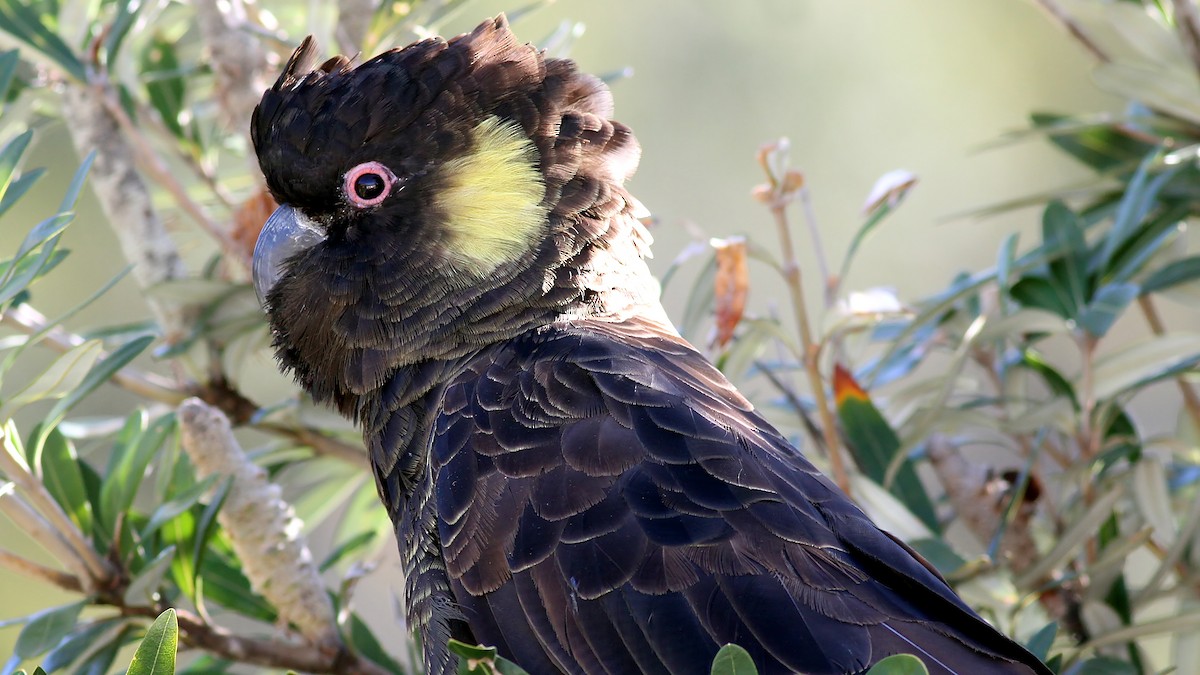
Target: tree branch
(125, 198)
(237, 58)
(1187, 22)
(195, 632)
(68, 582)
(1061, 16)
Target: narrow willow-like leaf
(1106, 306)
(58, 466)
(1039, 645)
(46, 629)
(899, 664)
(874, 445)
(156, 654)
(176, 507)
(144, 587)
(99, 374)
(10, 156)
(22, 21)
(1144, 362)
(18, 187)
(733, 660)
(82, 639)
(1179, 272)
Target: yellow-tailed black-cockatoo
(456, 265)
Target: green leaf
(364, 642)
(733, 660)
(180, 532)
(1106, 306)
(1105, 665)
(1039, 645)
(1005, 260)
(1062, 232)
(98, 375)
(127, 12)
(1176, 273)
(64, 374)
(1144, 362)
(122, 482)
(156, 654)
(18, 187)
(939, 554)
(72, 194)
(42, 233)
(1040, 293)
(100, 661)
(1141, 195)
(874, 445)
(700, 298)
(178, 506)
(79, 641)
(164, 84)
(227, 586)
(144, 586)
(46, 629)
(206, 526)
(10, 156)
(480, 660)
(1099, 145)
(22, 271)
(899, 664)
(348, 547)
(22, 22)
(58, 466)
(1144, 243)
(8, 68)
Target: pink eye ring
(368, 184)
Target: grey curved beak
(286, 233)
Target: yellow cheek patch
(493, 198)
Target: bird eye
(368, 184)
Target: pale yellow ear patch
(493, 198)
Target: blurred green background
(860, 87)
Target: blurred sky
(860, 87)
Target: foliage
(1030, 361)
(1029, 357)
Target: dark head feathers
(418, 105)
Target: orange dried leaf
(732, 286)
(249, 219)
(845, 388)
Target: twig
(195, 632)
(35, 490)
(818, 248)
(1187, 22)
(40, 530)
(1190, 400)
(264, 530)
(158, 170)
(125, 197)
(780, 192)
(238, 60)
(1064, 19)
(321, 444)
(68, 582)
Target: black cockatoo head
(435, 199)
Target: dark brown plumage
(570, 481)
